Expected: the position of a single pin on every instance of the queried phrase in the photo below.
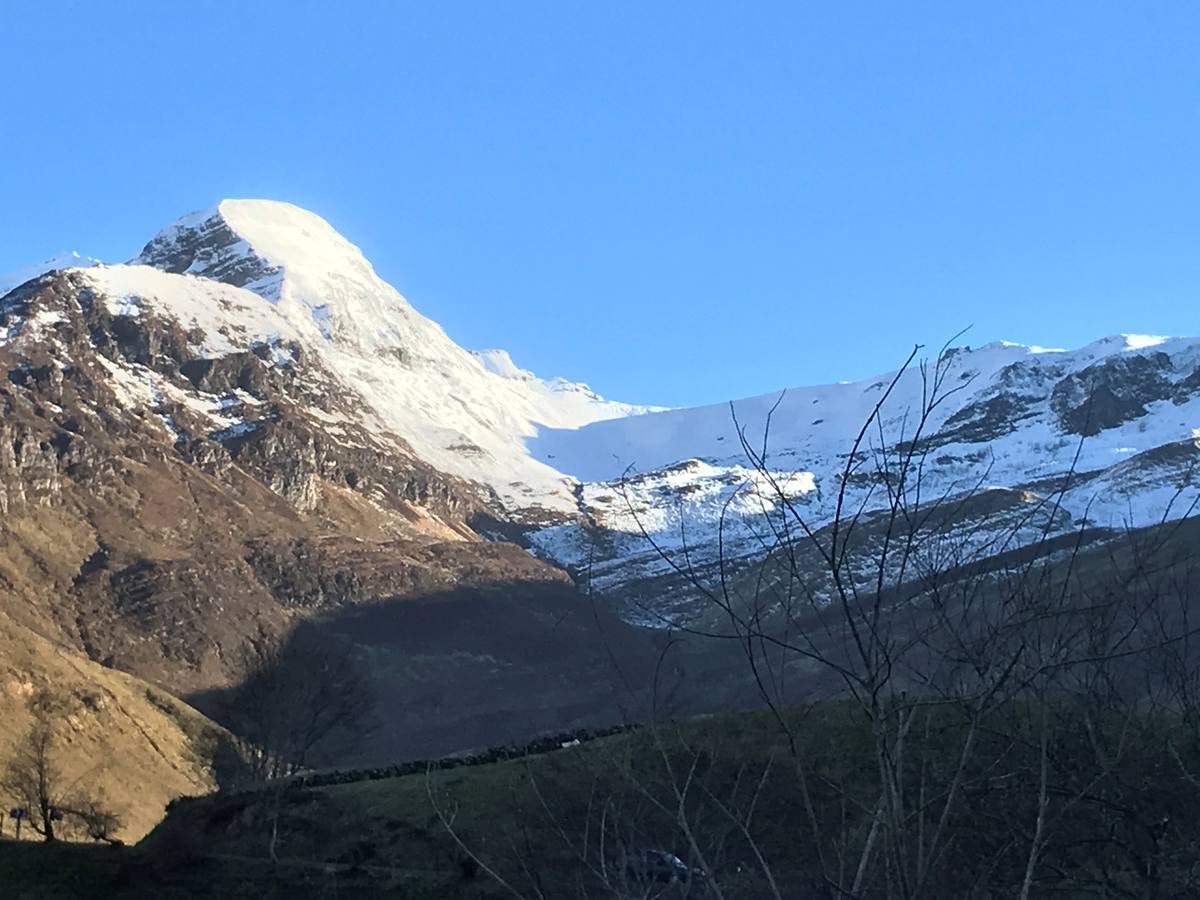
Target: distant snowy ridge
(821, 418)
(1124, 410)
(66, 260)
(574, 403)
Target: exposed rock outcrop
(1111, 392)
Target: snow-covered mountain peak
(297, 261)
(1025, 348)
(994, 359)
(466, 414)
(1116, 344)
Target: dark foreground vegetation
(1111, 800)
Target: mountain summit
(213, 270)
(297, 261)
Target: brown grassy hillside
(120, 738)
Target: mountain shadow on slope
(477, 666)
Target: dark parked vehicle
(660, 866)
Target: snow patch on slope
(230, 318)
(1142, 341)
(499, 362)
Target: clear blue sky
(677, 202)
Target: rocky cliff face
(205, 244)
(173, 484)
(79, 367)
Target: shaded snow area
(251, 273)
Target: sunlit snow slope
(468, 415)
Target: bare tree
(36, 781)
(32, 777)
(300, 700)
(99, 822)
